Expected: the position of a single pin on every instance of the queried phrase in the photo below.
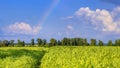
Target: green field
(60, 57)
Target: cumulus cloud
(22, 28)
(103, 20)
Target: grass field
(21, 57)
(60, 57)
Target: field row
(60, 57)
(21, 57)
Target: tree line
(63, 42)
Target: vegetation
(100, 43)
(32, 42)
(81, 57)
(110, 43)
(60, 57)
(20, 43)
(21, 57)
(39, 41)
(53, 42)
(93, 42)
(63, 42)
(66, 53)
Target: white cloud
(22, 28)
(103, 20)
(69, 27)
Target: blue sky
(27, 19)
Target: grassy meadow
(60, 57)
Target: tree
(5, 43)
(93, 42)
(85, 42)
(20, 43)
(39, 41)
(64, 41)
(100, 43)
(53, 42)
(71, 41)
(11, 42)
(0, 43)
(32, 42)
(23, 43)
(59, 42)
(110, 43)
(44, 41)
(117, 42)
(81, 42)
(76, 41)
(68, 41)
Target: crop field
(21, 57)
(60, 57)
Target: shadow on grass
(35, 54)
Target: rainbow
(48, 12)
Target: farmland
(60, 57)
(24, 57)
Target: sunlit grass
(21, 57)
(60, 57)
(82, 57)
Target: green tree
(11, 43)
(85, 42)
(32, 42)
(23, 43)
(110, 43)
(20, 43)
(65, 41)
(0, 43)
(71, 41)
(39, 41)
(117, 42)
(93, 42)
(53, 42)
(59, 42)
(44, 41)
(81, 42)
(76, 41)
(5, 43)
(100, 43)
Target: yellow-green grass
(60, 57)
(21, 57)
(82, 57)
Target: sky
(27, 19)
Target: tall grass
(21, 57)
(60, 57)
(82, 57)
